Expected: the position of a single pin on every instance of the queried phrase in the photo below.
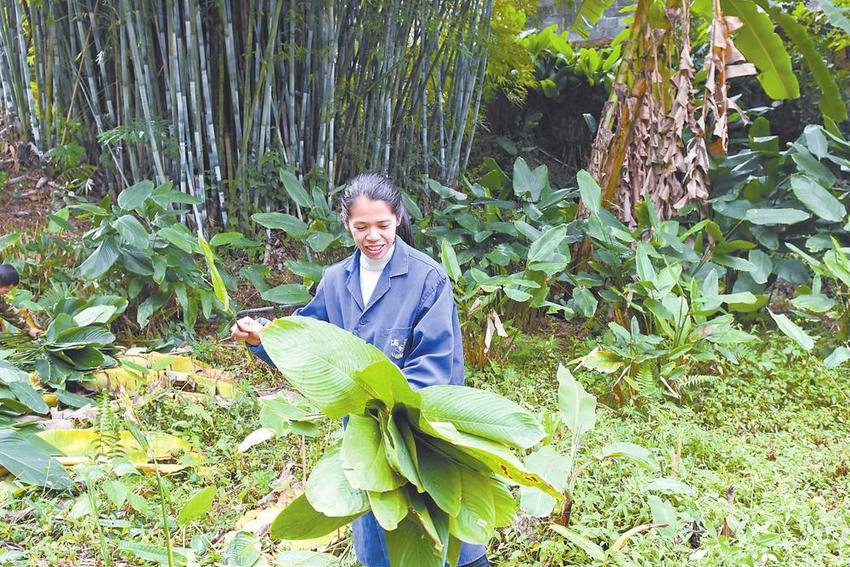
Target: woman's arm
(436, 354)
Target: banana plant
(433, 465)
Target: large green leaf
(636, 453)
(389, 507)
(547, 244)
(299, 521)
(790, 329)
(838, 16)
(837, 357)
(588, 13)
(100, 260)
(477, 518)
(441, 478)
(591, 193)
(527, 182)
(407, 545)
(578, 408)
(82, 336)
(197, 506)
(591, 549)
(288, 294)
(219, 288)
(482, 413)
(383, 380)
(495, 456)
(817, 199)
(320, 361)
(552, 466)
(364, 458)
(401, 450)
(330, 493)
(132, 231)
(29, 396)
(831, 101)
(291, 225)
(30, 463)
(95, 314)
(243, 550)
(134, 196)
(449, 260)
(762, 47)
(776, 216)
(295, 189)
(153, 553)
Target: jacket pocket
(395, 343)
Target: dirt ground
(25, 189)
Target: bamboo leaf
(219, 288)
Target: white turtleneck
(370, 273)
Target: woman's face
(373, 226)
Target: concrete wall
(556, 12)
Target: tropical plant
(656, 283)
(430, 464)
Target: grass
(773, 428)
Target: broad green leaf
(288, 294)
(580, 541)
(506, 505)
(591, 193)
(816, 140)
(831, 101)
(762, 47)
(602, 360)
(293, 226)
(669, 485)
(817, 199)
(527, 182)
(384, 381)
(179, 236)
(588, 14)
(836, 15)
(295, 189)
(243, 550)
(132, 231)
(407, 545)
(219, 288)
(134, 196)
(791, 330)
(449, 260)
(776, 216)
(838, 357)
(29, 463)
(364, 459)
(330, 493)
(116, 491)
(763, 264)
(100, 260)
(585, 301)
(813, 302)
(300, 521)
(445, 192)
(477, 518)
(94, 315)
(307, 270)
(636, 453)
(554, 468)
(281, 417)
(493, 456)
(838, 264)
(319, 241)
(320, 361)
(441, 478)
(643, 264)
(197, 506)
(811, 167)
(578, 408)
(401, 450)
(482, 413)
(389, 507)
(80, 337)
(547, 244)
(663, 513)
(29, 396)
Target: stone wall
(558, 12)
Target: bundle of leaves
(433, 465)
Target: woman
(394, 297)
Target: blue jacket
(412, 318)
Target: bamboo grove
(218, 96)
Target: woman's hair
(377, 187)
(8, 275)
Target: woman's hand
(34, 332)
(247, 330)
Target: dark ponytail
(377, 187)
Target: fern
(645, 380)
(693, 380)
(109, 430)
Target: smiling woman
(394, 297)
